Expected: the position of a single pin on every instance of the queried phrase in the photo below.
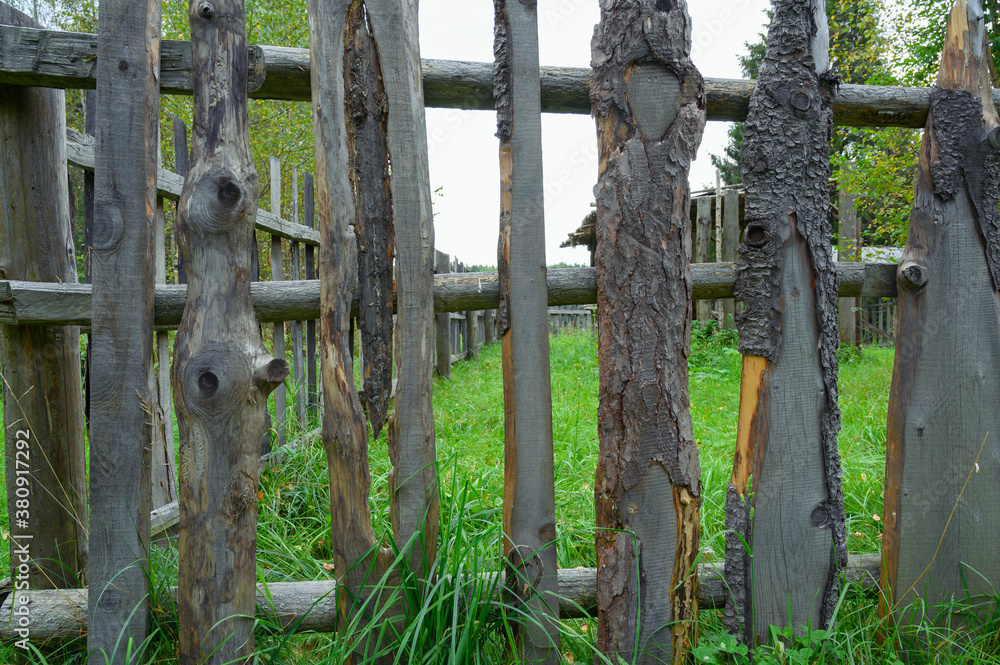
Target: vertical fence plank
(443, 323)
(222, 374)
(296, 326)
(181, 168)
(849, 250)
(703, 249)
(128, 101)
(309, 208)
(345, 435)
(649, 101)
(785, 499)
(529, 490)
(943, 442)
(163, 469)
(413, 482)
(42, 399)
(730, 241)
(90, 125)
(278, 275)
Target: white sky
(463, 149)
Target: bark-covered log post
(222, 374)
(45, 461)
(368, 114)
(523, 321)
(784, 506)
(943, 442)
(650, 105)
(125, 174)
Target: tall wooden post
(529, 476)
(442, 265)
(42, 401)
(181, 168)
(222, 373)
(309, 210)
(703, 249)
(943, 442)
(727, 249)
(650, 105)
(375, 43)
(278, 330)
(298, 366)
(785, 505)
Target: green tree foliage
(875, 164)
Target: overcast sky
(463, 149)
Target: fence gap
(125, 176)
(649, 102)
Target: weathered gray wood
(309, 208)
(66, 60)
(848, 250)
(27, 303)
(181, 166)
(163, 466)
(278, 329)
(222, 374)
(442, 339)
(943, 439)
(730, 241)
(42, 400)
(649, 102)
(489, 326)
(785, 498)
(703, 249)
(122, 330)
(529, 476)
(295, 327)
(357, 557)
(58, 615)
(79, 148)
(413, 506)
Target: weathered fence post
(849, 250)
(443, 323)
(309, 208)
(278, 330)
(367, 52)
(703, 250)
(943, 441)
(650, 105)
(128, 102)
(529, 476)
(296, 326)
(785, 504)
(181, 168)
(222, 374)
(42, 400)
(727, 250)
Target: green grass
(294, 537)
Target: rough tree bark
(943, 440)
(650, 105)
(222, 374)
(529, 489)
(128, 102)
(785, 500)
(43, 404)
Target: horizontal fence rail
(24, 303)
(66, 60)
(311, 606)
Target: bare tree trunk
(650, 105)
(222, 374)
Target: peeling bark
(222, 374)
(650, 105)
(785, 501)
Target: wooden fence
(786, 553)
